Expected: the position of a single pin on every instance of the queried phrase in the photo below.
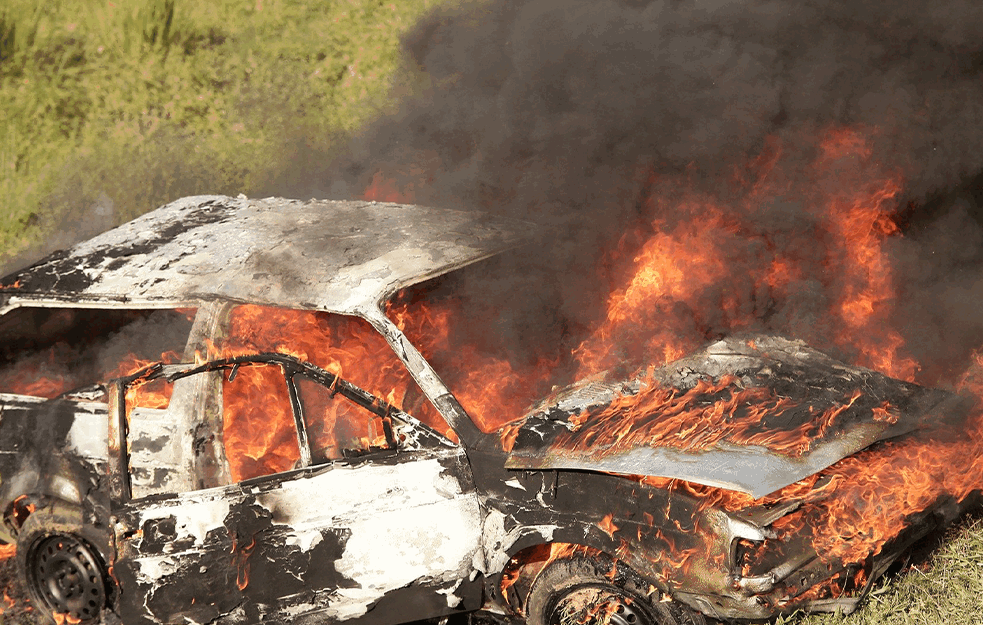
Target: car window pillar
(302, 439)
(118, 463)
(425, 376)
(202, 423)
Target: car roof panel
(336, 256)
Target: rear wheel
(63, 572)
(579, 591)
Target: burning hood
(336, 256)
(746, 414)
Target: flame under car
(692, 489)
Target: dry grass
(946, 588)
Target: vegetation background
(111, 108)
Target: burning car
(246, 478)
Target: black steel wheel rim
(597, 605)
(65, 574)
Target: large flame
(685, 279)
(490, 387)
(259, 429)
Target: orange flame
(490, 388)
(240, 558)
(259, 433)
(607, 525)
(697, 420)
(666, 270)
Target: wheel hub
(65, 574)
(596, 605)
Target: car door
(344, 515)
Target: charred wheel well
(17, 511)
(60, 527)
(528, 562)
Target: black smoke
(584, 116)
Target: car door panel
(333, 541)
(330, 541)
(409, 522)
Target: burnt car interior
(65, 347)
(332, 419)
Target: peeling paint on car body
(313, 535)
(337, 256)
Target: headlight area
(782, 576)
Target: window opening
(337, 427)
(259, 433)
(343, 345)
(47, 351)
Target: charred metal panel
(85, 421)
(154, 453)
(838, 410)
(336, 256)
(49, 447)
(666, 537)
(400, 522)
(332, 541)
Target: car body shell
(424, 526)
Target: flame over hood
(747, 414)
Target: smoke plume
(606, 122)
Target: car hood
(752, 414)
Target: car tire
(580, 591)
(62, 571)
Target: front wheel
(63, 572)
(578, 591)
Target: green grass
(132, 103)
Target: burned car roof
(752, 415)
(336, 256)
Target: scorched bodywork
(672, 495)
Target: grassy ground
(111, 108)
(945, 588)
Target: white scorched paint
(497, 540)
(195, 515)
(336, 256)
(407, 522)
(404, 523)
